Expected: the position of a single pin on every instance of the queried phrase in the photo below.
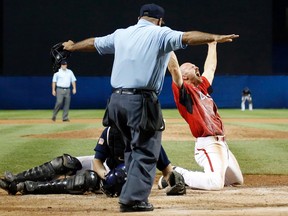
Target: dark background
(31, 27)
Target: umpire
(141, 54)
(61, 89)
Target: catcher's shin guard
(62, 165)
(77, 184)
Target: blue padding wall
(267, 91)
(93, 92)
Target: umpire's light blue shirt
(141, 54)
(63, 78)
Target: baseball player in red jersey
(192, 96)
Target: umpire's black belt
(63, 87)
(131, 91)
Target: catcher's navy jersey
(104, 152)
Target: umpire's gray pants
(63, 98)
(142, 147)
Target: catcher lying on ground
(105, 171)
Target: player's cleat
(11, 188)
(162, 183)
(4, 185)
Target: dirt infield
(260, 195)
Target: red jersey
(198, 108)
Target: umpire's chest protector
(117, 148)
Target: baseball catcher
(44, 179)
(58, 54)
(70, 175)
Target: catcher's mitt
(58, 54)
(114, 181)
(176, 184)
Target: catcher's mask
(58, 54)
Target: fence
(93, 92)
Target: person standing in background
(61, 89)
(246, 96)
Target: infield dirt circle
(260, 195)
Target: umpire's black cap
(63, 62)
(152, 10)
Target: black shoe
(11, 188)
(66, 120)
(136, 207)
(4, 184)
(53, 119)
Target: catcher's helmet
(114, 181)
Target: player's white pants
(220, 166)
(243, 101)
(87, 163)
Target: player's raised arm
(210, 62)
(173, 67)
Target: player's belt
(218, 138)
(63, 87)
(130, 91)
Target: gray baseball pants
(63, 98)
(142, 147)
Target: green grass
(261, 156)
(255, 114)
(18, 151)
(47, 114)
